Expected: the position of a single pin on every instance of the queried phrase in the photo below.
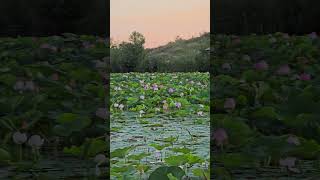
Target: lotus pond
(52, 107)
(265, 96)
(160, 126)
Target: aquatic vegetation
(155, 134)
(52, 106)
(265, 93)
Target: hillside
(180, 54)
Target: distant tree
(132, 52)
(137, 39)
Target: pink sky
(160, 21)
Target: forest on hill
(178, 56)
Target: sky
(160, 21)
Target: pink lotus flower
(229, 103)
(178, 105)
(171, 90)
(220, 136)
(283, 70)
(155, 87)
(305, 77)
(313, 35)
(262, 65)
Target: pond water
(129, 129)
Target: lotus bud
(220, 136)
(262, 65)
(283, 70)
(305, 77)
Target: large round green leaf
(161, 173)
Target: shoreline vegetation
(179, 56)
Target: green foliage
(276, 112)
(179, 56)
(164, 172)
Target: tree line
(132, 56)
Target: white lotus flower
(35, 141)
(121, 106)
(141, 112)
(158, 155)
(19, 138)
(200, 113)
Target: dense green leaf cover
(265, 99)
(52, 87)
